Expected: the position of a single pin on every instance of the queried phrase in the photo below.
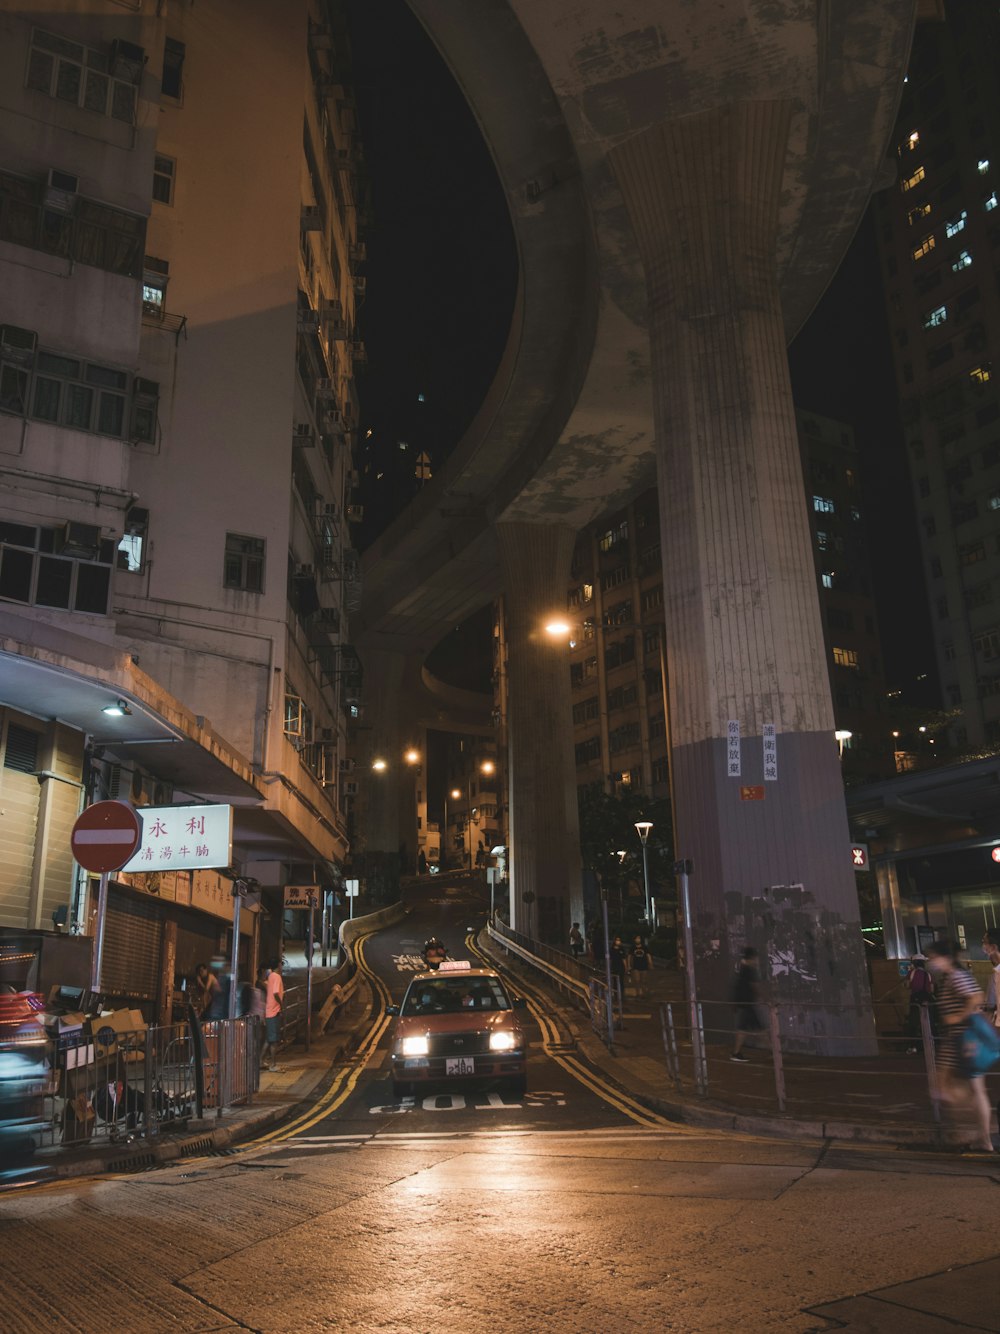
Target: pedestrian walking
(639, 964)
(921, 994)
(618, 956)
(991, 948)
(274, 1002)
(203, 988)
(957, 997)
(576, 940)
(746, 993)
(218, 989)
(254, 1005)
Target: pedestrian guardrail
(572, 977)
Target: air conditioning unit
(358, 252)
(325, 388)
(302, 437)
(311, 218)
(360, 284)
(127, 60)
(61, 189)
(350, 789)
(17, 345)
(355, 513)
(80, 539)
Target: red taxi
(458, 1025)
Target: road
(572, 1209)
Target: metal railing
(570, 975)
(116, 1086)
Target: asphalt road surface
(570, 1209)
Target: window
(988, 644)
(164, 170)
(615, 655)
(614, 578)
(622, 697)
(838, 619)
(21, 751)
(981, 374)
(846, 657)
(924, 247)
(661, 768)
(79, 75)
(823, 540)
(132, 547)
(930, 526)
(619, 614)
(971, 553)
(939, 355)
(993, 501)
(173, 68)
(983, 166)
(915, 214)
(651, 640)
(92, 233)
(34, 570)
(155, 273)
(979, 594)
(956, 224)
(964, 512)
(298, 719)
(586, 711)
(990, 201)
(963, 260)
(623, 738)
(823, 505)
(580, 672)
(827, 578)
(942, 608)
(923, 486)
(82, 395)
(145, 404)
(652, 598)
(614, 537)
(935, 317)
(912, 139)
(588, 752)
(244, 563)
(910, 181)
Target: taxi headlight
(502, 1040)
(416, 1046)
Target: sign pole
(309, 976)
(97, 959)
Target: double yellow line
(345, 1081)
(609, 1093)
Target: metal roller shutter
(132, 938)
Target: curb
(710, 1116)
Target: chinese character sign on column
(180, 838)
(733, 748)
(770, 754)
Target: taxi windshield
(451, 995)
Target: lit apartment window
(983, 166)
(935, 317)
(990, 202)
(827, 578)
(910, 181)
(823, 540)
(846, 657)
(155, 273)
(993, 502)
(915, 214)
(956, 224)
(588, 592)
(164, 169)
(79, 75)
(132, 547)
(67, 568)
(244, 563)
(981, 374)
(925, 247)
(823, 505)
(912, 139)
(962, 260)
(298, 719)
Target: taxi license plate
(460, 1065)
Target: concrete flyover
(683, 179)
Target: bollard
(779, 1067)
(698, 1050)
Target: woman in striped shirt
(957, 997)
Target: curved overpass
(566, 430)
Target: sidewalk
(879, 1099)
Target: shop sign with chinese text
(178, 838)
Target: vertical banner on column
(733, 748)
(770, 754)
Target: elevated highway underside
(682, 182)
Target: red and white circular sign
(105, 836)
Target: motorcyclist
(434, 953)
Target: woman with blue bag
(959, 1053)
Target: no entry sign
(105, 836)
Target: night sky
(441, 277)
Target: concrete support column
(380, 830)
(544, 827)
(745, 646)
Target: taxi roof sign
(455, 966)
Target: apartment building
(939, 239)
(180, 259)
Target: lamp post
(454, 794)
(843, 736)
(642, 828)
(411, 757)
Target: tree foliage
(607, 828)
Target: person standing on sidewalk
(957, 997)
(991, 948)
(921, 993)
(576, 940)
(640, 962)
(746, 993)
(619, 965)
(273, 1005)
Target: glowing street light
(642, 828)
(843, 736)
(558, 628)
(379, 765)
(412, 756)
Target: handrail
(505, 937)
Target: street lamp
(454, 794)
(843, 736)
(379, 765)
(412, 756)
(642, 828)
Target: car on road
(458, 1025)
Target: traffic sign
(105, 836)
(995, 854)
(302, 896)
(859, 856)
